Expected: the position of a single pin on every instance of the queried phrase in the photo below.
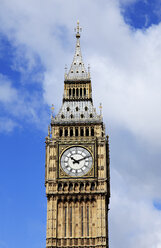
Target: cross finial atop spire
(52, 110)
(78, 30)
(100, 109)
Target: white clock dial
(76, 161)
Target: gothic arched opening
(82, 131)
(66, 132)
(87, 131)
(71, 132)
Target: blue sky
(121, 42)
(142, 14)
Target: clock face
(76, 161)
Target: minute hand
(83, 158)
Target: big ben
(77, 176)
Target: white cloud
(126, 77)
(18, 105)
(7, 125)
(7, 92)
(140, 223)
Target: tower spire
(77, 70)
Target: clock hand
(75, 161)
(81, 159)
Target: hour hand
(75, 161)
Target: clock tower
(77, 176)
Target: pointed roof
(77, 70)
(78, 112)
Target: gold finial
(100, 109)
(78, 30)
(52, 110)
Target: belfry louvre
(77, 176)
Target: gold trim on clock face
(76, 161)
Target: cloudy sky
(121, 40)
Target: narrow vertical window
(70, 221)
(65, 221)
(82, 131)
(71, 132)
(76, 131)
(59, 187)
(60, 132)
(69, 92)
(77, 92)
(66, 132)
(80, 92)
(82, 220)
(84, 91)
(92, 131)
(87, 220)
(87, 131)
(73, 92)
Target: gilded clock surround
(89, 147)
(77, 207)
